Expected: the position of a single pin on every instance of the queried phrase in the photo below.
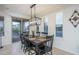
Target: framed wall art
(74, 19)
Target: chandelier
(34, 20)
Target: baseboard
(73, 53)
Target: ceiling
(41, 9)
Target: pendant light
(34, 20)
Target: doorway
(16, 30)
(19, 25)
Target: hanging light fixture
(34, 20)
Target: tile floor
(15, 49)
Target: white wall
(70, 40)
(7, 31)
(71, 34)
(51, 23)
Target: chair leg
(51, 52)
(21, 46)
(24, 49)
(28, 52)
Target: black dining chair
(26, 45)
(29, 46)
(47, 47)
(22, 41)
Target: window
(37, 28)
(25, 25)
(59, 24)
(1, 25)
(46, 25)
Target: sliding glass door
(1, 29)
(19, 26)
(1, 25)
(16, 30)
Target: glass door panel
(26, 26)
(16, 31)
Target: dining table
(37, 42)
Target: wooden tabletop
(39, 38)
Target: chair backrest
(25, 33)
(49, 42)
(22, 39)
(26, 41)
